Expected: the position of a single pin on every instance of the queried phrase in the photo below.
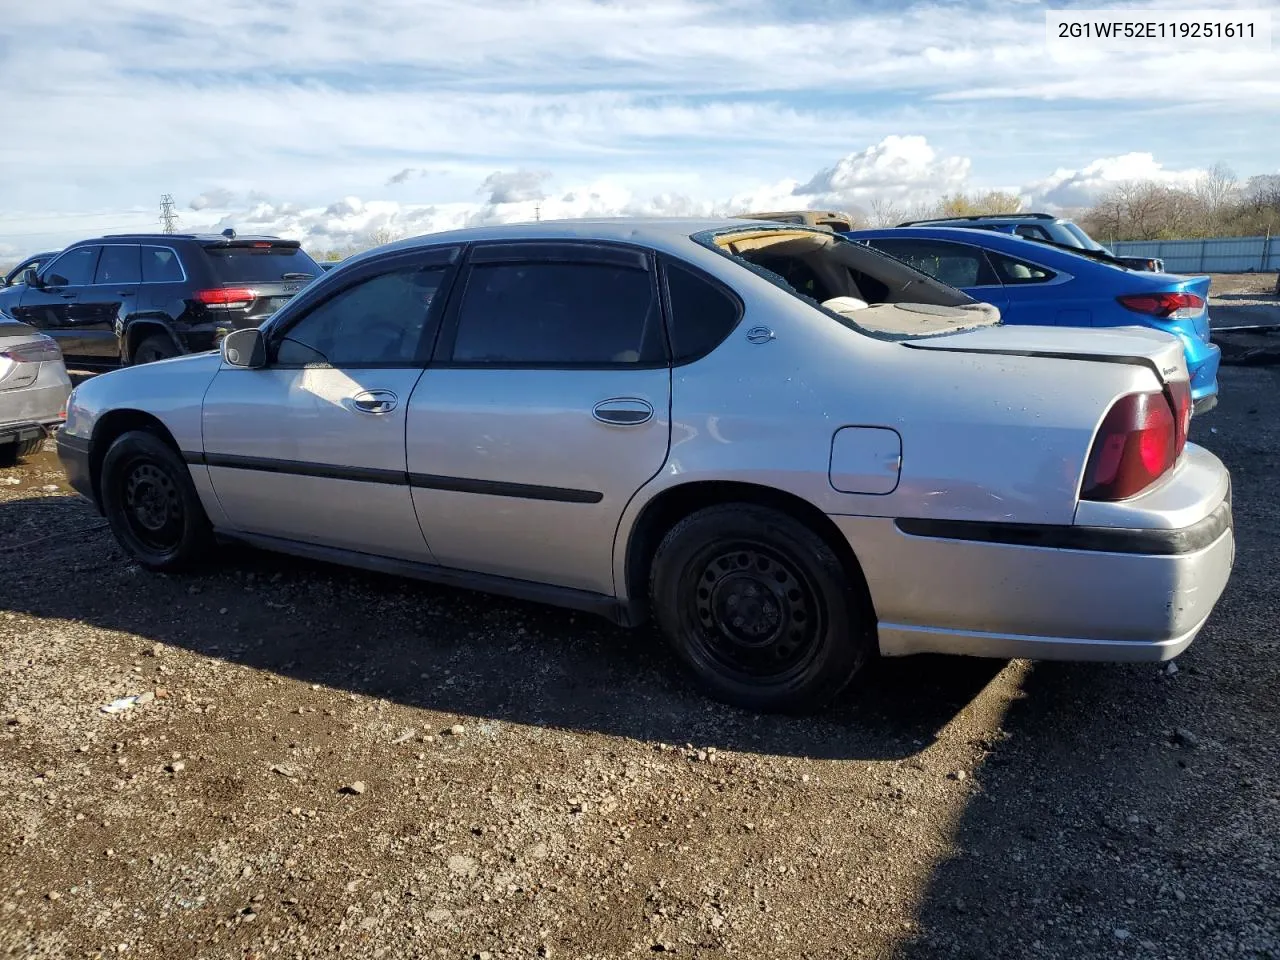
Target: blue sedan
(1035, 283)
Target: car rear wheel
(152, 505)
(11, 453)
(759, 608)
(154, 347)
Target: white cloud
(1065, 189)
(684, 104)
(897, 169)
(516, 186)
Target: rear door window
(74, 268)
(161, 265)
(956, 264)
(554, 314)
(263, 265)
(119, 264)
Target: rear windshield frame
(707, 238)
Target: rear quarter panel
(984, 437)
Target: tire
(151, 504)
(11, 453)
(155, 347)
(806, 629)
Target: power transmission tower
(537, 211)
(168, 219)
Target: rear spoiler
(262, 243)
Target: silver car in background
(33, 389)
(789, 450)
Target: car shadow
(448, 650)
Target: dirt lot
(1243, 299)
(334, 763)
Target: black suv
(132, 298)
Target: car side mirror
(245, 348)
(31, 278)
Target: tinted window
(160, 265)
(1018, 271)
(956, 264)
(1035, 233)
(378, 320)
(1086, 241)
(73, 268)
(243, 264)
(118, 264)
(702, 314)
(558, 313)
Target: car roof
(657, 232)
(170, 237)
(990, 218)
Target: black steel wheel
(759, 608)
(151, 503)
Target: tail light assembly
(227, 298)
(35, 351)
(1140, 440)
(1164, 306)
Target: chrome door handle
(623, 411)
(375, 401)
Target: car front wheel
(152, 505)
(759, 608)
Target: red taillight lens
(1163, 305)
(227, 296)
(34, 352)
(1137, 442)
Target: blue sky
(325, 118)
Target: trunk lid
(1161, 352)
(16, 370)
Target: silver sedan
(791, 451)
(33, 389)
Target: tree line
(1216, 204)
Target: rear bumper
(1203, 366)
(74, 453)
(24, 430)
(1098, 593)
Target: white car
(789, 449)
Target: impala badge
(759, 335)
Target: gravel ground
(325, 762)
(1243, 299)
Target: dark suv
(132, 298)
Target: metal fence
(1215, 255)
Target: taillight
(1137, 442)
(46, 348)
(227, 297)
(1165, 306)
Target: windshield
(1086, 241)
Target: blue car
(1035, 283)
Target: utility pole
(168, 219)
(537, 211)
